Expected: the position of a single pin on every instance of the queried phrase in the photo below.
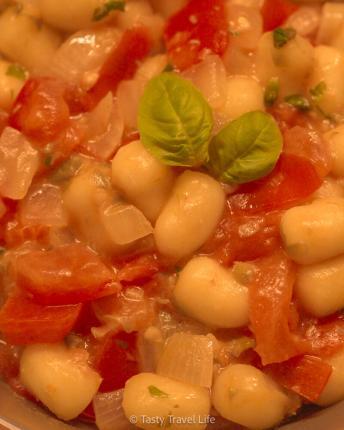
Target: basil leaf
(175, 121)
(156, 392)
(271, 92)
(246, 149)
(298, 101)
(104, 10)
(282, 36)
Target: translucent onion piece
(129, 94)
(209, 77)
(331, 21)
(130, 311)
(43, 205)
(245, 26)
(80, 57)
(125, 223)
(188, 358)
(18, 164)
(150, 345)
(109, 412)
(104, 127)
(305, 20)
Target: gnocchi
(209, 293)
(190, 215)
(160, 401)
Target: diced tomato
(305, 375)
(270, 296)
(16, 234)
(65, 275)
(3, 120)
(9, 365)
(40, 110)
(241, 237)
(87, 319)
(115, 358)
(306, 142)
(324, 337)
(23, 322)
(292, 181)
(275, 12)
(122, 63)
(199, 27)
(139, 270)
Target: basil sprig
(175, 121)
(247, 149)
(175, 124)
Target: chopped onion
(19, 162)
(150, 345)
(245, 26)
(331, 21)
(305, 20)
(130, 311)
(188, 358)
(209, 77)
(80, 57)
(125, 223)
(168, 8)
(151, 67)
(43, 205)
(109, 412)
(104, 127)
(129, 94)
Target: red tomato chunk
(23, 322)
(65, 275)
(200, 26)
(275, 12)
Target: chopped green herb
(104, 10)
(318, 91)
(122, 344)
(178, 269)
(156, 392)
(234, 33)
(282, 36)
(299, 102)
(169, 68)
(16, 71)
(271, 91)
(48, 160)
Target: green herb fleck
(282, 36)
(169, 68)
(104, 10)
(271, 92)
(156, 392)
(318, 91)
(16, 71)
(48, 160)
(299, 102)
(122, 344)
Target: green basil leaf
(246, 149)
(299, 102)
(175, 121)
(104, 10)
(318, 91)
(282, 36)
(156, 392)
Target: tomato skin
(139, 270)
(275, 12)
(65, 275)
(121, 64)
(305, 375)
(23, 322)
(270, 296)
(242, 237)
(201, 25)
(40, 110)
(292, 181)
(16, 234)
(115, 359)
